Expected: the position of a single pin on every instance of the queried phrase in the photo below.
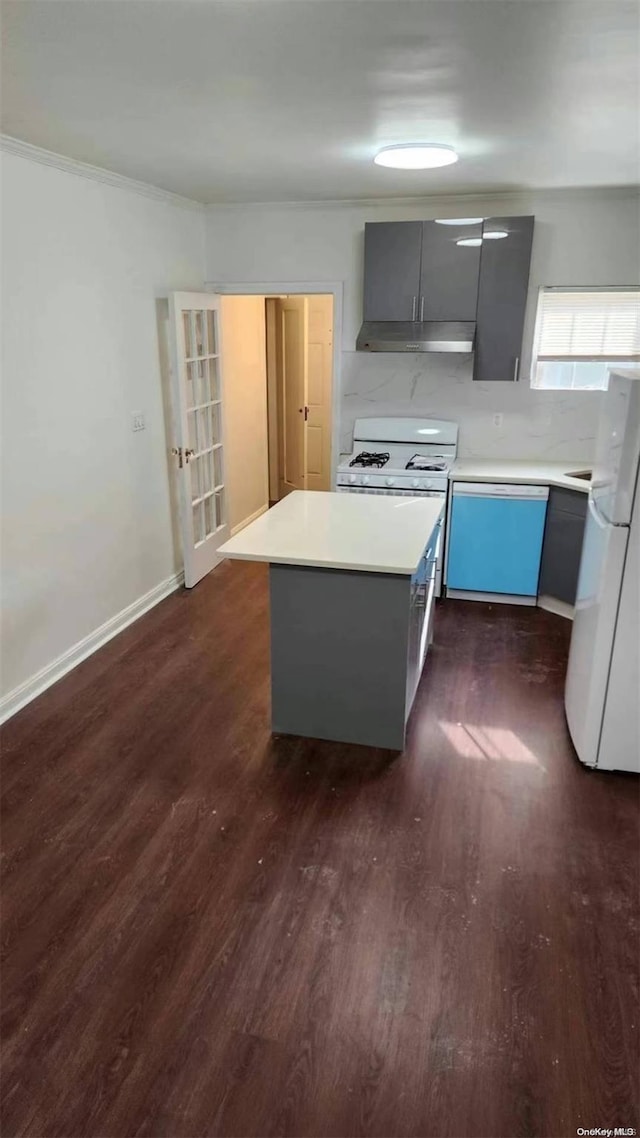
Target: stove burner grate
(370, 458)
(418, 462)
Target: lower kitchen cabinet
(562, 548)
(348, 648)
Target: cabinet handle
(516, 367)
(414, 305)
(595, 515)
(421, 308)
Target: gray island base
(340, 659)
(350, 628)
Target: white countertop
(532, 472)
(368, 533)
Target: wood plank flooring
(208, 931)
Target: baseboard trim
(38, 683)
(552, 604)
(247, 521)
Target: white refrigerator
(602, 693)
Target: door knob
(182, 456)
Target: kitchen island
(351, 591)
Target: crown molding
(22, 149)
(27, 150)
(442, 200)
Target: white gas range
(400, 456)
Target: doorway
(299, 353)
(278, 366)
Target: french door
(197, 404)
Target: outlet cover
(137, 421)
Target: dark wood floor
(208, 931)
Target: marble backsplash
(552, 425)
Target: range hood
(416, 336)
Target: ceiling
(288, 100)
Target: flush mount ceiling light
(459, 220)
(469, 241)
(416, 156)
(495, 235)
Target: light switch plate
(498, 419)
(137, 421)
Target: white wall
(581, 238)
(87, 524)
(245, 407)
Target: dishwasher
(495, 540)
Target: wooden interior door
(197, 405)
(292, 326)
(319, 383)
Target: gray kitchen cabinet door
(502, 298)
(392, 270)
(449, 272)
(562, 549)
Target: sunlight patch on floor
(475, 741)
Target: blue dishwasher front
(495, 537)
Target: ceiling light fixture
(469, 241)
(416, 156)
(495, 235)
(459, 220)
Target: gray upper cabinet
(502, 298)
(449, 272)
(392, 270)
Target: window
(581, 333)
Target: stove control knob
(426, 485)
(415, 482)
(352, 478)
(365, 480)
(390, 481)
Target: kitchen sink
(584, 474)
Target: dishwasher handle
(500, 490)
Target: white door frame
(301, 288)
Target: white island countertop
(367, 533)
(531, 471)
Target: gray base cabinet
(562, 548)
(347, 650)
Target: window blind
(588, 325)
